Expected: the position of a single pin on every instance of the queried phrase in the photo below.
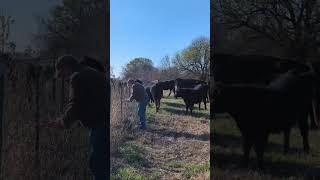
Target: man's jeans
(142, 112)
(98, 158)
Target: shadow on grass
(179, 105)
(230, 141)
(174, 104)
(182, 112)
(279, 169)
(169, 133)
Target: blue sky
(154, 28)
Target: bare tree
(194, 59)
(5, 24)
(294, 24)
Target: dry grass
(174, 146)
(58, 154)
(123, 118)
(227, 155)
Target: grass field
(227, 155)
(174, 146)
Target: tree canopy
(194, 59)
(139, 68)
(293, 24)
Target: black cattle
(168, 85)
(157, 94)
(186, 83)
(254, 69)
(259, 111)
(257, 69)
(148, 90)
(194, 95)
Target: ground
(174, 146)
(227, 154)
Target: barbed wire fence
(30, 151)
(123, 115)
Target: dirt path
(173, 146)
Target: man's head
(130, 82)
(65, 66)
(93, 63)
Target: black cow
(148, 90)
(194, 95)
(254, 69)
(168, 85)
(257, 69)
(261, 110)
(157, 94)
(187, 83)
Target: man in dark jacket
(88, 103)
(139, 94)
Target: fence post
(37, 78)
(121, 100)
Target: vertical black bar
(38, 169)
(1, 119)
(210, 89)
(107, 55)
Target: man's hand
(56, 123)
(127, 100)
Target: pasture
(227, 154)
(174, 145)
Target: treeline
(277, 28)
(191, 62)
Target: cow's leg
(304, 131)
(157, 105)
(186, 109)
(247, 144)
(314, 114)
(259, 146)
(169, 93)
(205, 103)
(286, 140)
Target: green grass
(175, 164)
(195, 169)
(227, 153)
(133, 154)
(127, 173)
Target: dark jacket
(88, 100)
(138, 92)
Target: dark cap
(66, 60)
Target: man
(139, 94)
(89, 103)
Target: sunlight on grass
(227, 154)
(195, 169)
(128, 173)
